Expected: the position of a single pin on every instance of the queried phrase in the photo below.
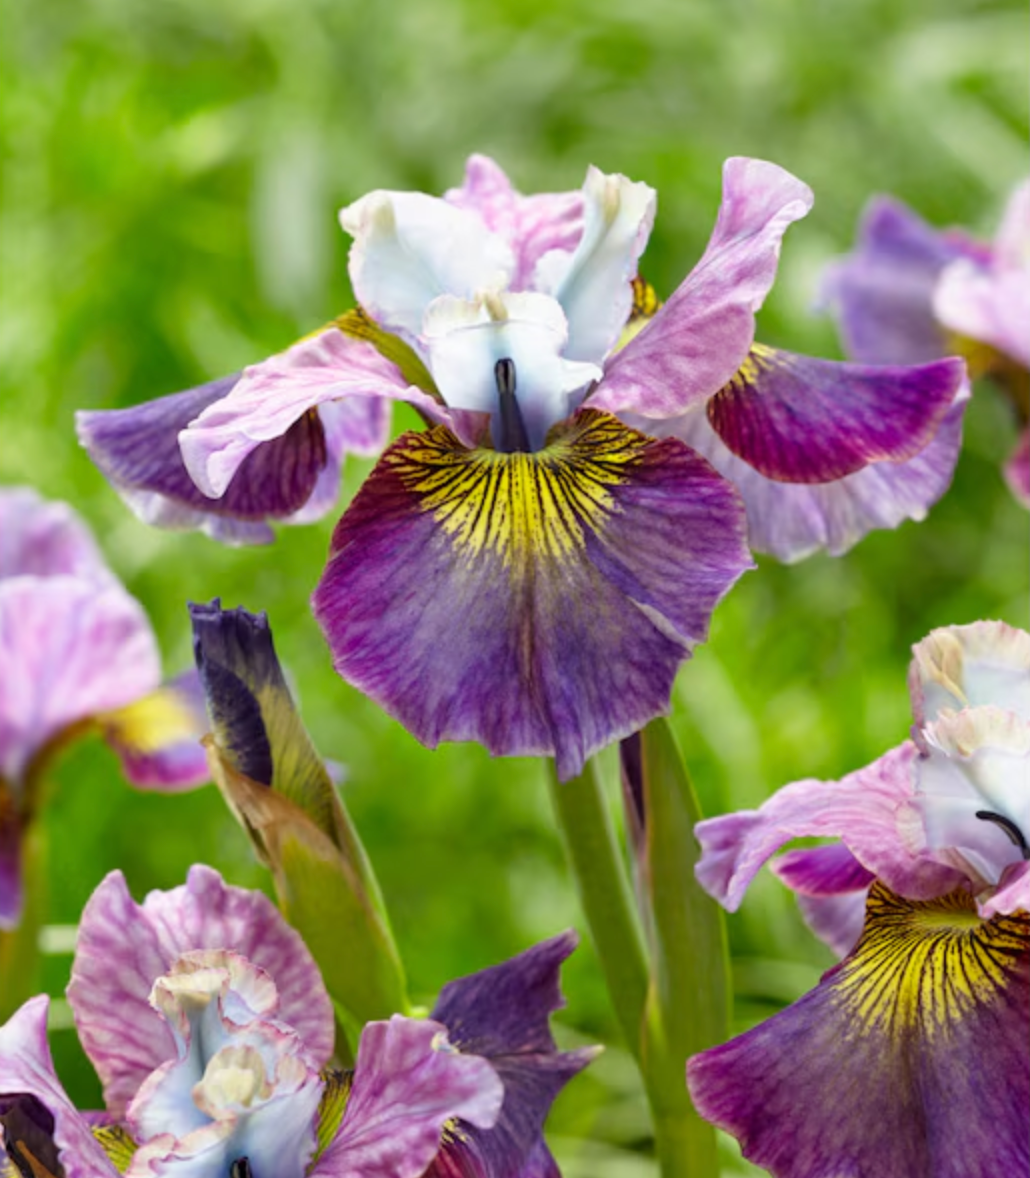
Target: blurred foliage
(171, 175)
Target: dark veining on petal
(1016, 836)
(513, 437)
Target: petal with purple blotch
(41, 1127)
(124, 947)
(539, 603)
(908, 1059)
(831, 887)
(701, 336)
(43, 538)
(792, 520)
(70, 650)
(797, 419)
(502, 1013)
(409, 1085)
(860, 810)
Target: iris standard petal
(70, 650)
(35, 1112)
(270, 416)
(537, 603)
(503, 1013)
(792, 520)
(531, 225)
(860, 810)
(797, 419)
(831, 888)
(698, 340)
(124, 947)
(43, 538)
(409, 1083)
(908, 1060)
(410, 248)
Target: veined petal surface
(698, 340)
(124, 947)
(537, 603)
(909, 1059)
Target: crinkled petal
(409, 1083)
(860, 810)
(1017, 469)
(503, 1013)
(41, 1108)
(70, 649)
(699, 339)
(797, 419)
(537, 603)
(991, 306)
(124, 947)
(594, 284)
(43, 538)
(792, 520)
(969, 666)
(831, 887)
(158, 736)
(274, 404)
(410, 248)
(909, 1058)
(531, 225)
(882, 293)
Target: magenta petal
(124, 947)
(27, 1071)
(42, 538)
(701, 336)
(408, 1084)
(801, 420)
(1017, 469)
(831, 887)
(909, 1060)
(860, 810)
(11, 898)
(539, 604)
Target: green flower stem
(19, 947)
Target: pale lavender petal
(279, 395)
(43, 538)
(124, 947)
(797, 419)
(70, 649)
(409, 1082)
(27, 1072)
(1012, 895)
(699, 339)
(1017, 469)
(909, 1058)
(792, 520)
(831, 887)
(836, 920)
(471, 613)
(991, 306)
(860, 810)
(1011, 246)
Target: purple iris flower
(909, 1059)
(209, 1026)
(78, 654)
(910, 293)
(531, 570)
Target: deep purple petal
(698, 340)
(408, 1084)
(860, 810)
(882, 293)
(909, 1060)
(1017, 469)
(792, 520)
(503, 1013)
(44, 538)
(124, 947)
(801, 420)
(831, 887)
(31, 1098)
(69, 650)
(538, 603)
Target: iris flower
(910, 293)
(78, 654)
(531, 570)
(208, 1024)
(909, 1059)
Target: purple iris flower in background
(209, 1026)
(909, 1060)
(910, 293)
(77, 654)
(531, 570)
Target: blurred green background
(171, 175)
